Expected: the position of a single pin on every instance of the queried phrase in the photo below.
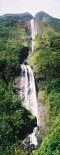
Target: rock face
(26, 89)
(27, 93)
(42, 20)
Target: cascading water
(28, 95)
(25, 85)
(27, 89)
(32, 34)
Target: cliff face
(43, 20)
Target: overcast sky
(51, 7)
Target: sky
(52, 7)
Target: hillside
(16, 123)
(13, 42)
(48, 20)
(45, 61)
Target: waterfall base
(33, 138)
(31, 142)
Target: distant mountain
(15, 17)
(48, 20)
(12, 19)
(41, 15)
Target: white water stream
(27, 92)
(28, 95)
(27, 89)
(32, 34)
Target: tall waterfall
(27, 90)
(28, 95)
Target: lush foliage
(14, 46)
(50, 144)
(46, 58)
(46, 65)
(15, 121)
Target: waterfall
(32, 34)
(27, 92)
(27, 89)
(28, 95)
(24, 86)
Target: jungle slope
(45, 61)
(15, 121)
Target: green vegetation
(15, 121)
(47, 20)
(51, 143)
(45, 62)
(14, 46)
(46, 58)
